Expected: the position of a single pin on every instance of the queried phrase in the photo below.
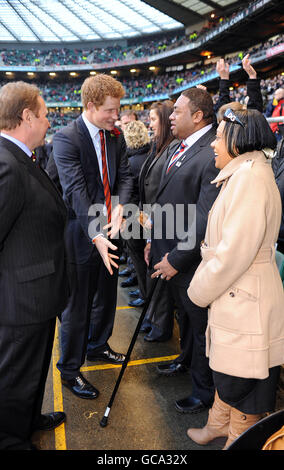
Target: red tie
(176, 155)
(105, 177)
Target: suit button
(232, 294)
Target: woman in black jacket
(158, 323)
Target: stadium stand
(154, 66)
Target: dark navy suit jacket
(76, 161)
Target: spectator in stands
(278, 168)
(185, 181)
(158, 322)
(253, 85)
(126, 117)
(277, 112)
(138, 145)
(277, 97)
(238, 273)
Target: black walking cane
(156, 284)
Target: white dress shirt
(18, 143)
(189, 141)
(95, 136)
(196, 135)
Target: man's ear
(198, 116)
(26, 116)
(91, 106)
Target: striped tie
(105, 177)
(176, 155)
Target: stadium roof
(80, 20)
(190, 12)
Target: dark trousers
(25, 353)
(136, 252)
(161, 318)
(192, 322)
(103, 311)
(86, 280)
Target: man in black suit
(186, 181)
(33, 281)
(90, 156)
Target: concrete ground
(143, 416)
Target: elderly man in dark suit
(90, 156)
(33, 281)
(186, 181)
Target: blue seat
(256, 436)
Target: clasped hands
(164, 269)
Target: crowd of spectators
(59, 118)
(155, 84)
(150, 86)
(103, 54)
(91, 55)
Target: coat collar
(248, 158)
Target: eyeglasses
(229, 116)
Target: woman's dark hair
(254, 134)
(163, 109)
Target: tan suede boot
(239, 423)
(217, 424)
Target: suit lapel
(164, 171)
(90, 160)
(34, 170)
(187, 155)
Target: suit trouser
(75, 320)
(25, 353)
(136, 252)
(103, 311)
(161, 318)
(192, 324)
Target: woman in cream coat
(239, 281)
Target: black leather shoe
(190, 405)
(107, 356)
(125, 272)
(81, 387)
(135, 293)
(122, 259)
(145, 329)
(136, 302)
(50, 421)
(159, 339)
(173, 368)
(129, 282)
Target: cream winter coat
(238, 278)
